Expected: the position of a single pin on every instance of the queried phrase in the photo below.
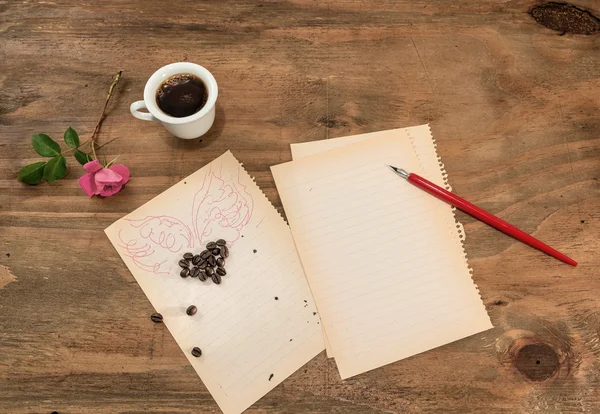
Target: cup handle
(144, 116)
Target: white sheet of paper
(244, 332)
(425, 148)
(388, 277)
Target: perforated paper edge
(455, 227)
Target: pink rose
(103, 181)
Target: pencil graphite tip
(399, 171)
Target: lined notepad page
(388, 278)
(258, 326)
(424, 146)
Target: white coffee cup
(188, 127)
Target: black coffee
(182, 95)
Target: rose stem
(103, 116)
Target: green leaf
(81, 157)
(45, 146)
(71, 138)
(55, 168)
(32, 173)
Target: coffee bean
(212, 261)
(184, 263)
(216, 251)
(191, 310)
(184, 272)
(205, 254)
(211, 245)
(197, 259)
(202, 275)
(188, 256)
(203, 264)
(221, 271)
(197, 352)
(221, 242)
(194, 272)
(156, 317)
(216, 278)
(224, 252)
(221, 262)
(209, 271)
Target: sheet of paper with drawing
(257, 327)
(424, 147)
(388, 278)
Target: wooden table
(513, 105)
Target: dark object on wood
(565, 18)
(537, 362)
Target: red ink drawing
(142, 238)
(221, 208)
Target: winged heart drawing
(219, 209)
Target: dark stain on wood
(331, 122)
(498, 303)
(565, 18)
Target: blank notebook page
(424, 146)
(259, 325)
(388, 277)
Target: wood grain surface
(515, 108)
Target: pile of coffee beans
(209, 264)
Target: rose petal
(92, 166)
(110, 189)
(88, 184)
(123, 171)
(107, 176)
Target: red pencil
(481, 214)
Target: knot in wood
(565, 18)
(537, 361)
